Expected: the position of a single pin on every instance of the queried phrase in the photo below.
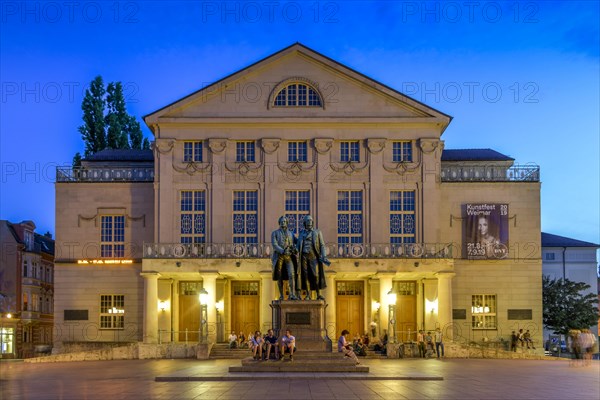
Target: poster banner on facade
(485, 230)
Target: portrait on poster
(485, 230)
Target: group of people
(582, 343)
(299, 260)
(263, 346)
(521, 338)
(430, 345)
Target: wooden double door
(245, 306)
(350, 310)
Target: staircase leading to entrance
(222, 351)
(304, 361)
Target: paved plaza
(388, 379)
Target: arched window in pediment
(294, 93)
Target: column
(150, 306)
(385, 284)
(266, 295)
(209, 282)
(330, 311)
(445, 302)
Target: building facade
(448, 232)
(26, 290)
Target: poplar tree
(92, 131)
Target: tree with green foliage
(566, 306)
(106, 123)
(92, 130)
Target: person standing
(344, 347)
(439, 342)
(421, 343)
(313, 254)
(284, 251)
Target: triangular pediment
(250, 92)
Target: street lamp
(391, 297)
(203, 297)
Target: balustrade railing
(99, 174)
(265, 250)
(490, 173)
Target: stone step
(294, 367)
(346, 361)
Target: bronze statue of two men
(299, 260)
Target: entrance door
(189, 311)
(245, 306)
(350, 307)
(406, 310)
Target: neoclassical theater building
(173, 244)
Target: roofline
(319, 54)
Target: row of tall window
(38, 303)
(297, 205)
(32, 269)
(245, 151)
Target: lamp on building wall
(163, 305)
(391, 297)
(220, 307)
(203, 298)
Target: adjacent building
(26, 290)
(419, 236)
(572, 259)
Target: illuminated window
(297, 151)
(112, 239)
(193, 216)
(245, 216)
(349, 151)
(244, 152)
(402, 151)
(112, 311)
(297, 95)
(192, 151)
(402, 216)
(349, 216)
(297, 205)
(483, 311)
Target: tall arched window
(298, 95)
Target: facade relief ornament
(430, 145)
(164, 146)
(323, 145)
(217, 145)
(270, 145)
(376, 145)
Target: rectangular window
(112, 238)
(245, 216)
(349, 216)
(112, 311)
(483, 311)
(550, 257)
(192, 151)
(402, 216)
(297, 205)
(244, 152)
(193, 216)
(297, 152)
(349, 151)
(402, 151)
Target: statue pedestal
(306, 320)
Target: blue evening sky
(518, 77)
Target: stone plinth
(306, 320)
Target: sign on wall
(485, 230)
